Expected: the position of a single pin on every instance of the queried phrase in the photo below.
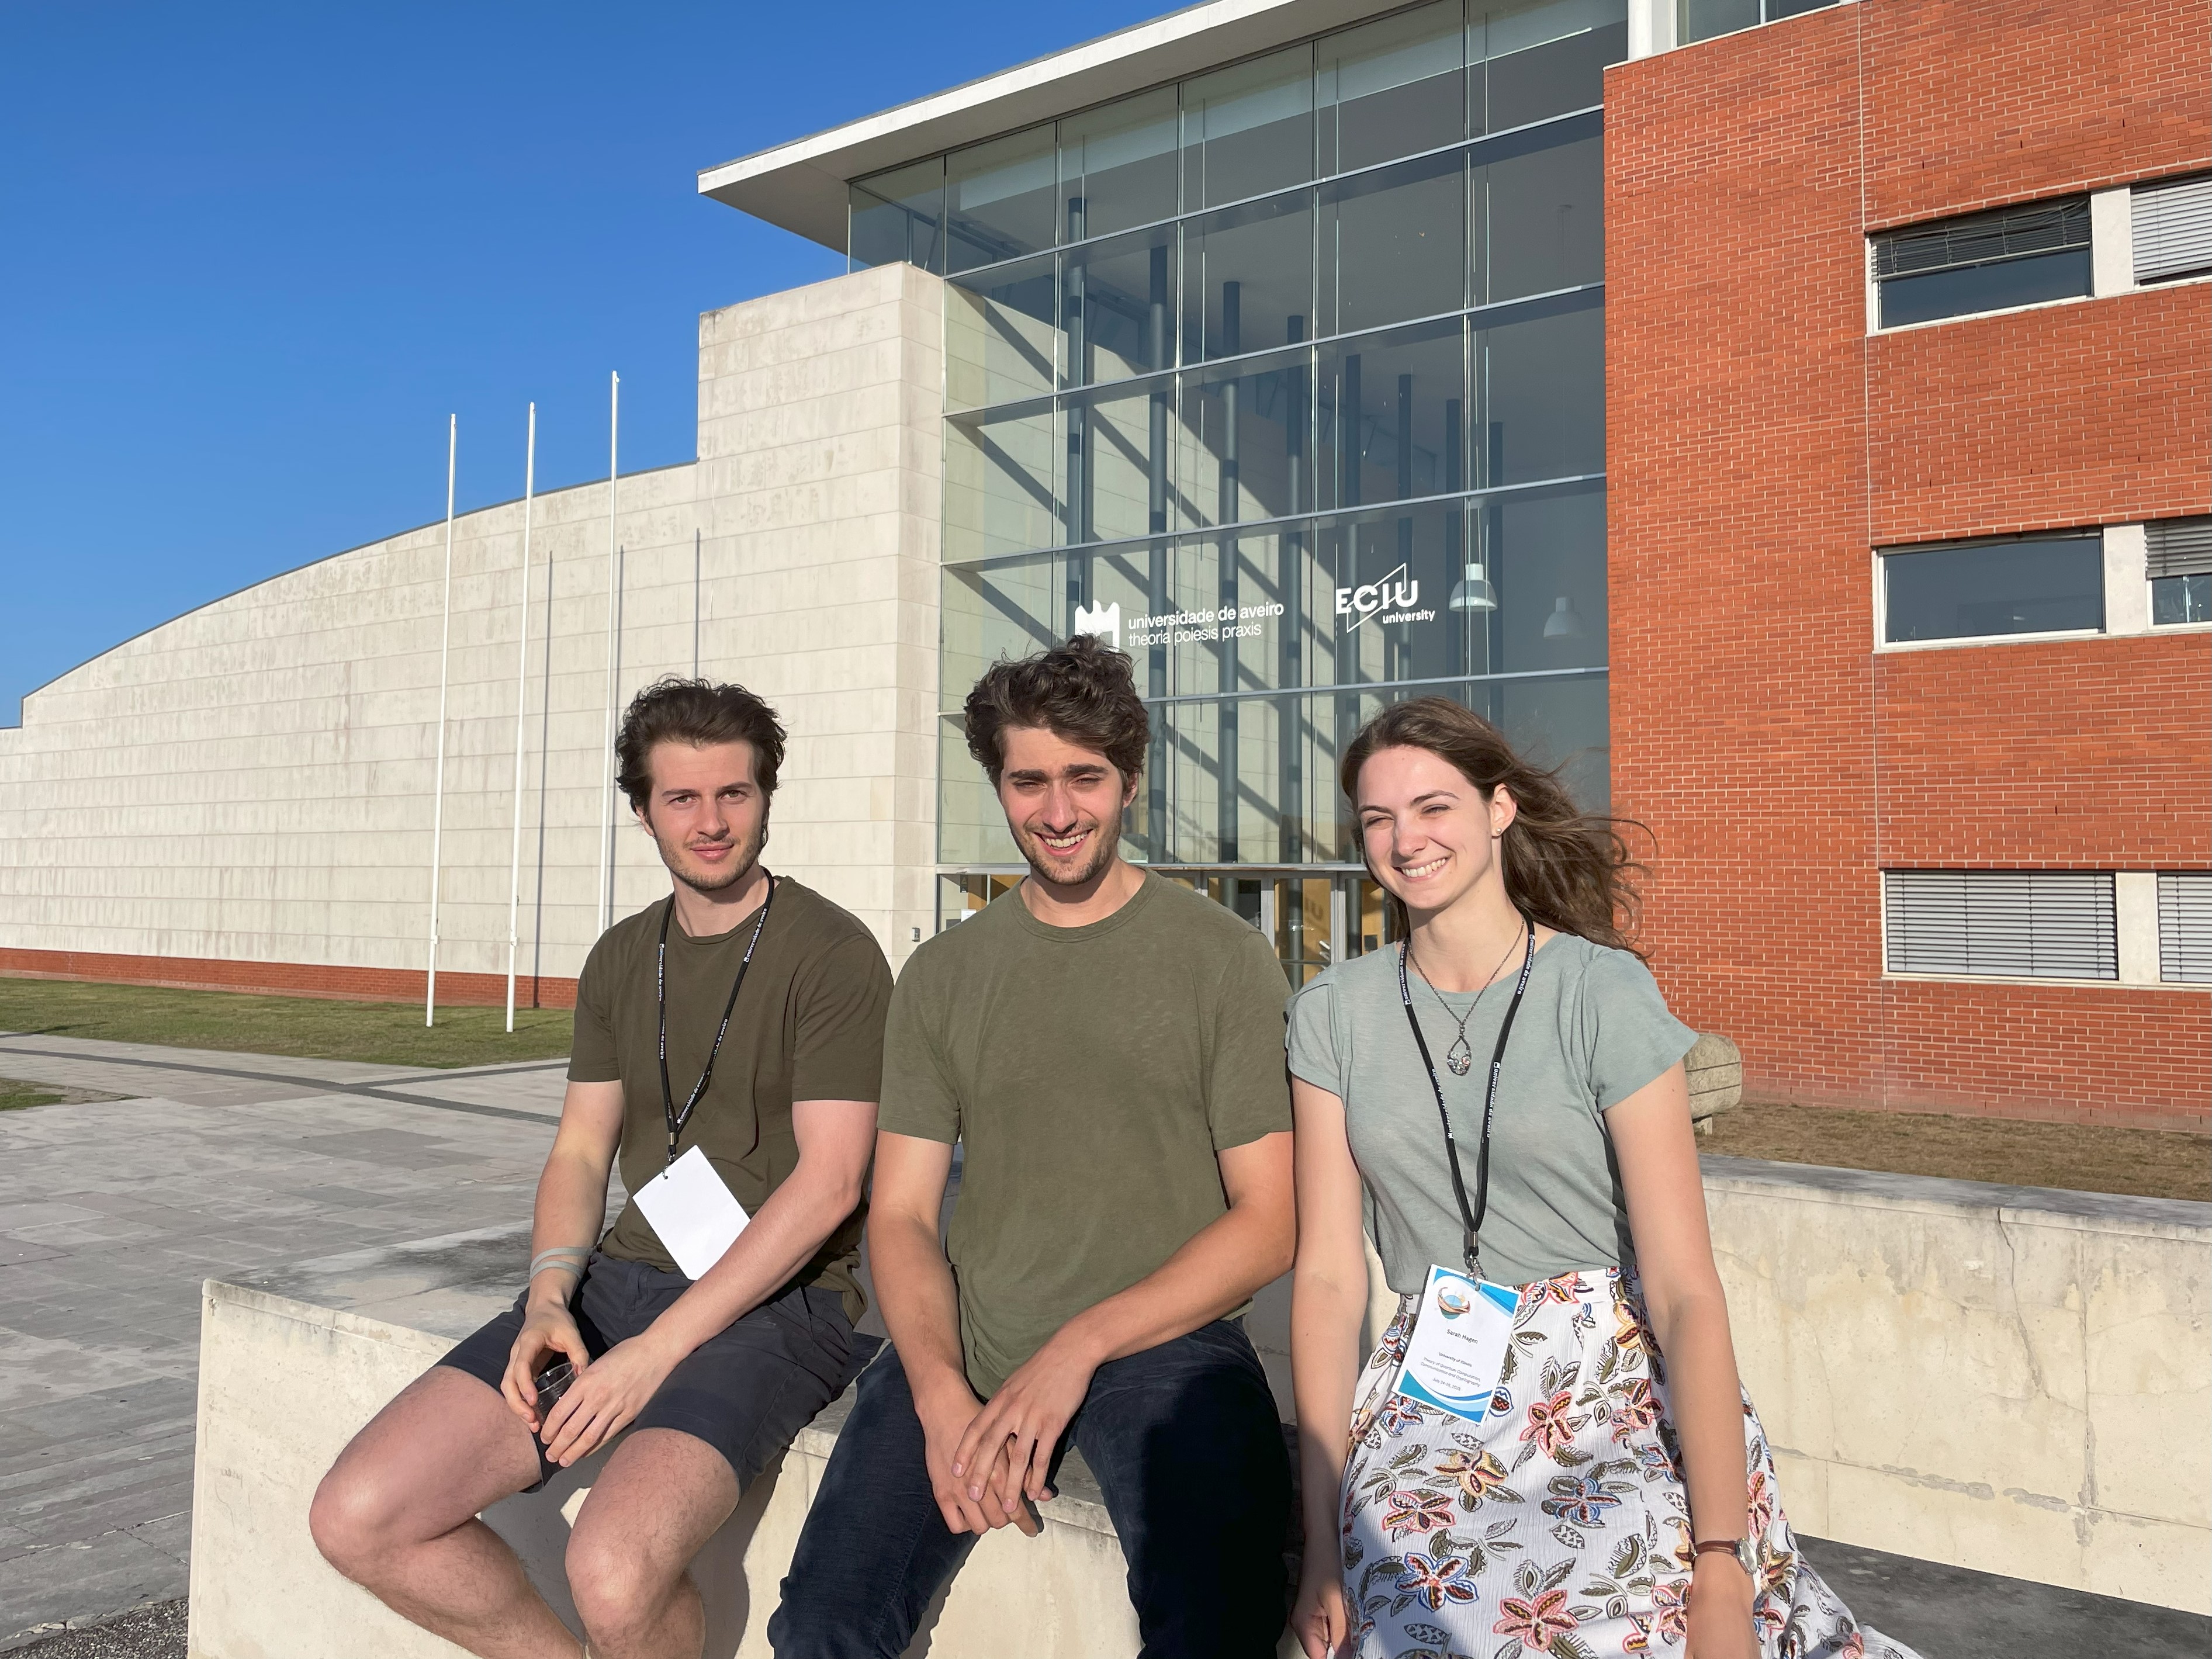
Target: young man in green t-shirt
(730, 1035)
(1106, 1047)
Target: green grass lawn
(311, 1028)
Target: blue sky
(254, 254)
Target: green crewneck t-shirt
(1091, 1074)
(808, 1026)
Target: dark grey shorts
(745, 1391)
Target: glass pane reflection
(1117, 165)
(1392, 88)
(1001, 200)
(898, 215)
(1248, 129)
(1000, 341)
(1394, 244)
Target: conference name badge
(693, 1212)
(1457, 1349)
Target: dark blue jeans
(1185, 1444)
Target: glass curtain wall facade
(1287, 379)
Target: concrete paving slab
(111, 1214)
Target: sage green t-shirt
(1592, 1030)
(1091, 1074)
(808, 1026)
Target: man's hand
(605, 1396)
(947, 1416)
(1023, 1425)
(547, 1328)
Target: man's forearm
(914, 1282)
(571, 1204)
(1220, 1267)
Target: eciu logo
(1396, 594)
(1103, 621)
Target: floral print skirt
(1558, 1524)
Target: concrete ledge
(2004, 1379)
(285, 1382)
(2009, 1379)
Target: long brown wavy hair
(1569, 869)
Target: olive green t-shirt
(808, 1026)
(1092, 1075)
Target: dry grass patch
(2148, 1162)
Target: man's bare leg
(397, 1514)
(657, 1502)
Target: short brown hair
(699, 712)
(1082, 692)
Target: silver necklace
(1458, 1058)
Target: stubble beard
(1107, 840)
(740, 869)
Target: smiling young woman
(1505, 1090)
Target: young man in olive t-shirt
(771, 1001)
(1106, 1047)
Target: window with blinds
(2173, 229)
(1984, 262)
(2178, 559)
(2001, 924)
(2184, 926)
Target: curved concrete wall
(245, 793)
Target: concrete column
(2127, 585)
(2112, 242)
(2134, 903)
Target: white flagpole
(438, 789)
(614, 601)
(521, 704)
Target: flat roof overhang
(801, 185)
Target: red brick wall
(2092, 413)
(1972, 105)
(300, 979)
(1760, 446)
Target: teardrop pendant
(1460, 1061)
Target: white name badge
(1457, 1350)
(694, 1212)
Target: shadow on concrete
(1949, 1612)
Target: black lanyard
(1470, 1215)
(677, 1120)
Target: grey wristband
(568, 1258)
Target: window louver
(2173, 229)
(2177, 547)
(2008, 924)
(1985, 238)
(2184, 928)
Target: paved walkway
(111, 1214)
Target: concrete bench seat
(2007, 1380)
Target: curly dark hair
(699, 712)
(1569, 869)
(1082, 692)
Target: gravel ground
(150, 1632)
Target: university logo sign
(1392, 599)
(1103, 621)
